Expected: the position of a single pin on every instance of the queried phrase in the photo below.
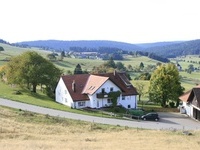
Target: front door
(196, 114)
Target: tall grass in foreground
(21, 130)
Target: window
(123, 97)
(102, 90)
(111, 89)
(65, 91)
(65, 100)
(109, 100)
(81, 103)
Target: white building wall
(62, 94)
(102, 102)
(188, 109)
(128, 101)
(81, 104)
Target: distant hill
(65, 45)
(177, 49)
(157, 44)
(163, 49)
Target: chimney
(115, 72)
(74, 86)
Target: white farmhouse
(95, 91)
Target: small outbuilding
(191, 103)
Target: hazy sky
(132, 21)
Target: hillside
(10, 51)
(157, 44)
(65, 45)
(177, 49)
(166, 49)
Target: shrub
(171, 104)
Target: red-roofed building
(87, 90)
(191, 102)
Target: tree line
(150, 55)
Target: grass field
(21, 130)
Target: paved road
(169, 121)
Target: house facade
(96, 91)
(191, 103)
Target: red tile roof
(121, 80)
(80, 82)
(88, 84)
(185, 97)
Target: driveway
(168, 121)
(179, 119)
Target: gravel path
(169, 122)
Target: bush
(171, 104)
(116, 109)
(17, 93)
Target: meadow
(22, 130)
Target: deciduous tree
(165, 84)
(32, 70)
(140, 89)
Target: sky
(131, 21)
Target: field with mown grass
(22, 130)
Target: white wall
(62, 94)
(188, 109)
(86, 104)
(102, 102)
(128, 101)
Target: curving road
(168, 121)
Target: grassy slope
(10, 51)
(21, 130)
(189, 80)
(39, 99)
(70, 63)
